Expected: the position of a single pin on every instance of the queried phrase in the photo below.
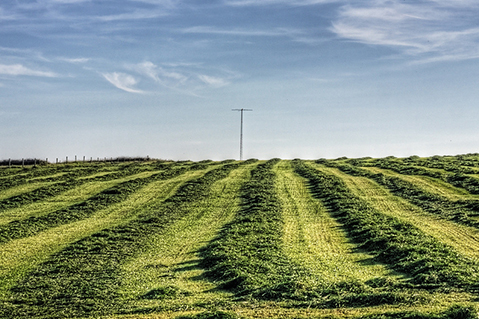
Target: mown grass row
(394, 242)
(13, 178)
(453, 312)
(83, 279)
(56, 185)
(35, 224)
(248, 258)
(462, 211)
(166, 276)
(452, 173)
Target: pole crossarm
(241, 130)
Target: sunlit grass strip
(17, 257)
(166, 275)
(62, 184)
(247, 255)
(452, 173)
(462, 211)
(120, 192)
(25, 188)
(71, 172)
(397, 243)
(56, 185)
(429, 184)
(83, 279)
(64, 200)
(55, 173)
(314, 239)
(461, 238)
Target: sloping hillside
(344, 238)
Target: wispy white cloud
(134, 15)
(163, 3)
(212, 81)
(243, 32)
(4, 15)
(158, 74)
(273, 2)
(122, 81)
(19, 69)
(425, 30)
(75, 60)
(66, 1)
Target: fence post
(66, 161)
(9, 162)
(23, 162)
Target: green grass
(395, 242)
(36, 249)
(83, 278)
(252, 239)
(463, 211)
(314, 239)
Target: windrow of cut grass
(465, 212)
(64, 200)
(397, 243)
(83, 279)
(19, 257)
(246, 256)
(249, 257)
(44, 200)
(166, 276)
(314, 239)
(429, 184)
(120, 192)
(60, 183)
(20, 189)
(463, 239)
(50, 173)
(341, 274)
(452, 173)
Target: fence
(35, 161)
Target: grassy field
(343, 238)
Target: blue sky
(325, 78)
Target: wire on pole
(241, 131)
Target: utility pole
(241, 131)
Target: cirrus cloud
(425, 30)
(213, 81)
(122, 81)
(18, 69)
